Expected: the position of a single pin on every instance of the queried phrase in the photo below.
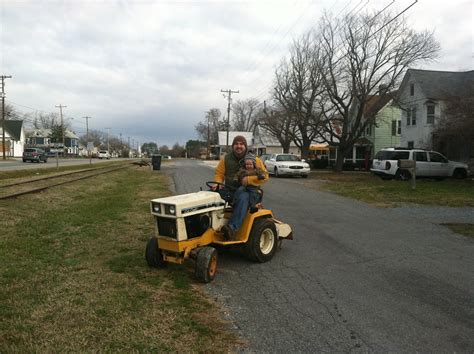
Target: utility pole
(62, 123)
(229, 98)
(121, 145)
(208, 135)
(108, 145)
(129, 149)
(87, 132)
(3, 77)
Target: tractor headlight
(156, 207)
(170, 209)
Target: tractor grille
(167, 227)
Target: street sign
(90, 146)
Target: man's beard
(239, 155)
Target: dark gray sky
(150, 69)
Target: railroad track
(14, 190)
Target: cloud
(150, 69)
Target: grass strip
(74, 278)
(372, 189)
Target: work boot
(228, 232)
(253, 209)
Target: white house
(14, 138)
(422, 98)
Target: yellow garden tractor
(188, 227)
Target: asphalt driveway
(355, 277)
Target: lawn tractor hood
(187, 204)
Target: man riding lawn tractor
(188, 226)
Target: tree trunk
(341, 153)
(339, 162)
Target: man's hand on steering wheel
(215, 186)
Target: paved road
(355, 278)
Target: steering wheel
(215, 185)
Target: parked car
(103, 154)
(428, 164)
(287, 164)
(35, 155)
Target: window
(412, 89)
(368, 130)
(411, 145)
(396, 127)
(430, 113)
(392, 155)
(435, 157)
(411, 116)
(420, 156)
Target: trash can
(156, 162)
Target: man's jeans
(241, 200)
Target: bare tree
(245, 115)
(46, 120)
(278, 125)
(210, 125)
(10, 112)
(177, 150)
(298, 90)
(360, 56)
(98, 138)
(454, 132)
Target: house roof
(223, 137)
(376, 102)
(266, 139)
(442, 84)
(44, 133)
(13, 127)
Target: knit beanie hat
(251, 157)
(241, 139)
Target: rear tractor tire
(263, 241)
(206, 264)
(154, 255)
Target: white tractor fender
(283, 230)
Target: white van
(103, 154)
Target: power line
(340, 12)
(377, 14)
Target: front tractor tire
(263, 241)
(153, 255)
(206, 264)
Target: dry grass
(371, 189)
(73, 274)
